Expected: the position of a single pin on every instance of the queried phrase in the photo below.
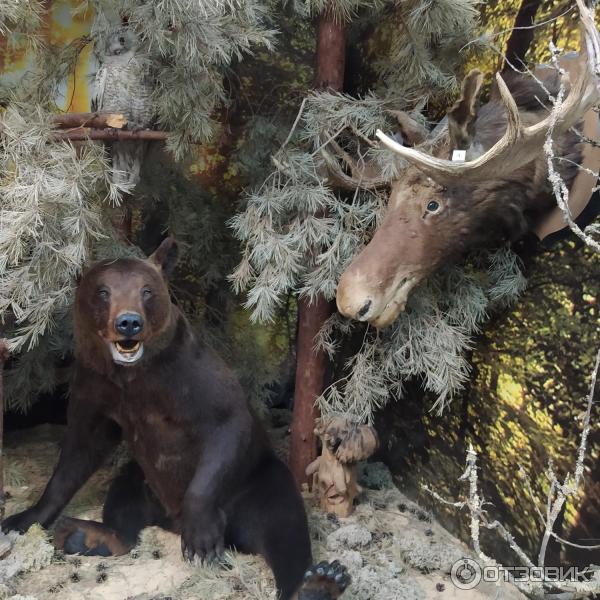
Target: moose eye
(433, 206)
(121, 40)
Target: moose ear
(461, 117)
(166, 255)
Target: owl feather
(122, 85)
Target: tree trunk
(3, 359)
(310, 365)
(310, 374)
(520, 39)
(331, 54)
(121, 217)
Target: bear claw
(324, 581)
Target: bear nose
(129, 324)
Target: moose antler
(519, 145)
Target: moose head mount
(439, 208)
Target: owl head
(121, 42)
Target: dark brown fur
(202, 465)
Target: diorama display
(299, 300)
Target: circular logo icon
(465, 574)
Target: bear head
(123, 309)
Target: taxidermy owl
(122, 85)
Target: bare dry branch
(559, 187)
(94, 120)
(82, 134)
(362, 174)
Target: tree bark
(311, 365)
(331, 54)
(95, 120)
(81, 134)
(520, 39)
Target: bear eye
(146, 293)
(433, 206)
(103, 293)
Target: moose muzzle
(366, 298)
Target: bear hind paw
(77, 536)
(324, 581)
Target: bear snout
(129, 324)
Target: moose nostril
(365, 309)
(129, 324)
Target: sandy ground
(392, 548)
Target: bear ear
(166, 255)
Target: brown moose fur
(413, 241)
(510, 206)
(202, 465)
(507, 207)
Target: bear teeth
(126, 352)
(129, 349)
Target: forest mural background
(530, 363)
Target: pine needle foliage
(51, 198)
(19, 17)
(341, 10)
(289, 243)
(429, 340)
(299, 232)
(189, 46)
(299, 235)
(426, 42)
(38, 371)
(54, 199)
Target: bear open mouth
(126, 352)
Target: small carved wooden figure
(344, 444)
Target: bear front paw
(20, 522)
(324, 581)
(204, 538)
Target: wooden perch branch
(107, 126)
(81, 134)
(95, 120)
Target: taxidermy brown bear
(202, 465)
